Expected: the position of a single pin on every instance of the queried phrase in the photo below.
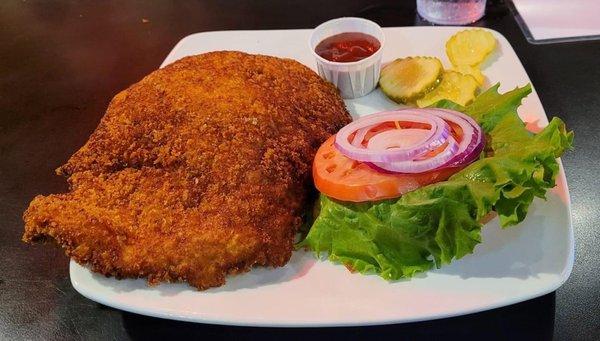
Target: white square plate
(512, 265)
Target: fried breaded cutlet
(200, 170)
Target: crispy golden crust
(200, 170)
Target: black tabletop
(62, 61)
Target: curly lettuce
(435, 224)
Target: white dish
(513, 265)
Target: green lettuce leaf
(435, 224)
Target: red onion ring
(423, 165)
(397, 138)
(404, 150)
(360, 135)
(469, 148)
(438, 135)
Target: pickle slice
(470, 47)
(406, 79)
(470, 70)
(455, 86)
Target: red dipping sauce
(348, 47)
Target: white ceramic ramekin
(353, 79)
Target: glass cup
(451, 12)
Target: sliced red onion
(423, 165)
(473, 140)
(437, 136)
(398, 138)
(360, 135)
(405, 150)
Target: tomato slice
(342, 178)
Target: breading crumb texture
(200, 170)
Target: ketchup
(348, 47)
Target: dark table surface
(62, 61)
